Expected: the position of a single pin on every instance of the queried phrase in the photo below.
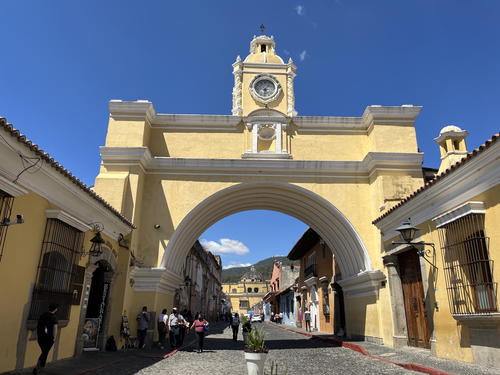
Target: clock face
(265, 88)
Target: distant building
(247, 292)
(201, 291)
(316, 284)
(280, 298)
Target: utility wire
(24, 159)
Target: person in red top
(200, 326)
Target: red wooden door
(414, 300)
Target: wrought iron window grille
(61, 247)
(467, 266)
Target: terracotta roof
(21, 138)
(302, 246)
(443, 174)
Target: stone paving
(300, 354)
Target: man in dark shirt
(46, 333)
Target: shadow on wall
(356, 312)
(24, 333)
(155, 211)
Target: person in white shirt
(162, 328)
(174, 321)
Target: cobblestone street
(302, 355)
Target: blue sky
(62, 61)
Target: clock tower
(263, 80)
(263, 95)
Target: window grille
(467, 266)
(5, 209)
(244, 304)
(61, 248)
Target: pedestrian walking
(142, 327)
(175, 320)
(183, 327)
(200, 326)
(307, 317)
(235, 325)
(162, 328)
(46, 333)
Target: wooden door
(414, 300)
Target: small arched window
(256, 290)
(249, 290)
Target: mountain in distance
(264, 267)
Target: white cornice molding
(266, 155)
(461, 185)
(68, 219)
(311, 281)
(264, 65)
(451, 135)
(169, 122)
(461, 211)
(11, 188)
(138, 110)
(373, 115)
(372, 163)
(364, 284)
(160, 280)
(140, 155)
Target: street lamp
(96, 249)
(408, 233)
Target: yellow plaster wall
(451, 336)
(126, 133)
(329, 147)
(18, 267)
(392, 138)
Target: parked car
(256, 318)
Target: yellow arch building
(186, 172)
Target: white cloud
(300, 10)
(225, 246)
(234, 265)
(286, 52)
(303, 55)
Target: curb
(362, 350)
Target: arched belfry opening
(336, 230)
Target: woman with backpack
(235, 324)
(200, 326)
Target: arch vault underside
(315, 211)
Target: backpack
(236, 321)
(111, 344)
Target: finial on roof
(290, 61)
(262, 28)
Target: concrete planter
(255, 363)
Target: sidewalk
(127, 361)
(415, 359)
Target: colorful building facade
(59, 243)
(442, 280)
(316, 284)
(246, 293)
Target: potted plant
(255, 352)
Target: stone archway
(336, 230)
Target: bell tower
(263, 80)
(263, 95)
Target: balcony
(310, 271)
